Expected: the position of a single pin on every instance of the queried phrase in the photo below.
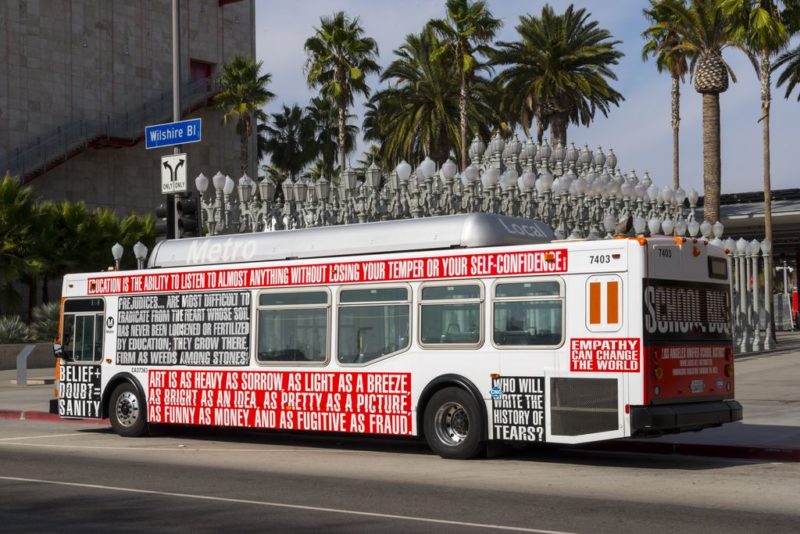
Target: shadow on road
(583, 455)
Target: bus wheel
(453, 424)
(126, 411)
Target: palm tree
(18, 258)
(339, 59)
(322, 114)
(290, 137)
(467, 30)
(316, 170)
(704, 31)
(790, 63)
(559, 70)
(243, 92)
(416, 115)
(370, 156)
(261, 139)
(762, 29)
(664, 47)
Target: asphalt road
(71, 477)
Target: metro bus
(463, 329)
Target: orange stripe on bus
(594, 302)
(612, 302)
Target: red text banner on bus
(368, 403)
(605, 355)
(385, 270)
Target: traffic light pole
(172, 216)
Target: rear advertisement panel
(687, 333)
(678, 310)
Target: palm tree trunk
(765, 75)
(462, 111)
(243, 151)
(540, 128)
(712, 164)
(676, 124)
(558, 129)
(342, 115)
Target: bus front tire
(452, 424)
(127, 412)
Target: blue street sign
(172, 133)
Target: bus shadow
(621, 454)
(608, 456)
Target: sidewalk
(767, 385)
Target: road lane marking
(176, 448)
(284, 505)
(42, 436)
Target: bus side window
(68, 336)
(293, 326)
(82, 330)
(528, 313)
(373, 323)
(451, 314)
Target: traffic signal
(186, 215)
(161, 222)
(165, 218)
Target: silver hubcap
(127, 409)
(451, 423)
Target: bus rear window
(717, 268)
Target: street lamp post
(116, 252)
(140, 251)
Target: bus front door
(80, 353)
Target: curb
(33, 415)
(782, 454)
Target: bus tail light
(658, 372)
(696, 251)
(728, 354)
(728, 369)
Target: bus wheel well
(115, 381)
(446, 381)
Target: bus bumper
(683, 417)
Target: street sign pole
(172, 218)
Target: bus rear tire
(452, 424)
(127, 412)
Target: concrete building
(80, 79)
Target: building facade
(80, 79)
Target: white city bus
(462, 329)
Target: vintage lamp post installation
(581, 193)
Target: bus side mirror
(58, 351)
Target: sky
(639, 130)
